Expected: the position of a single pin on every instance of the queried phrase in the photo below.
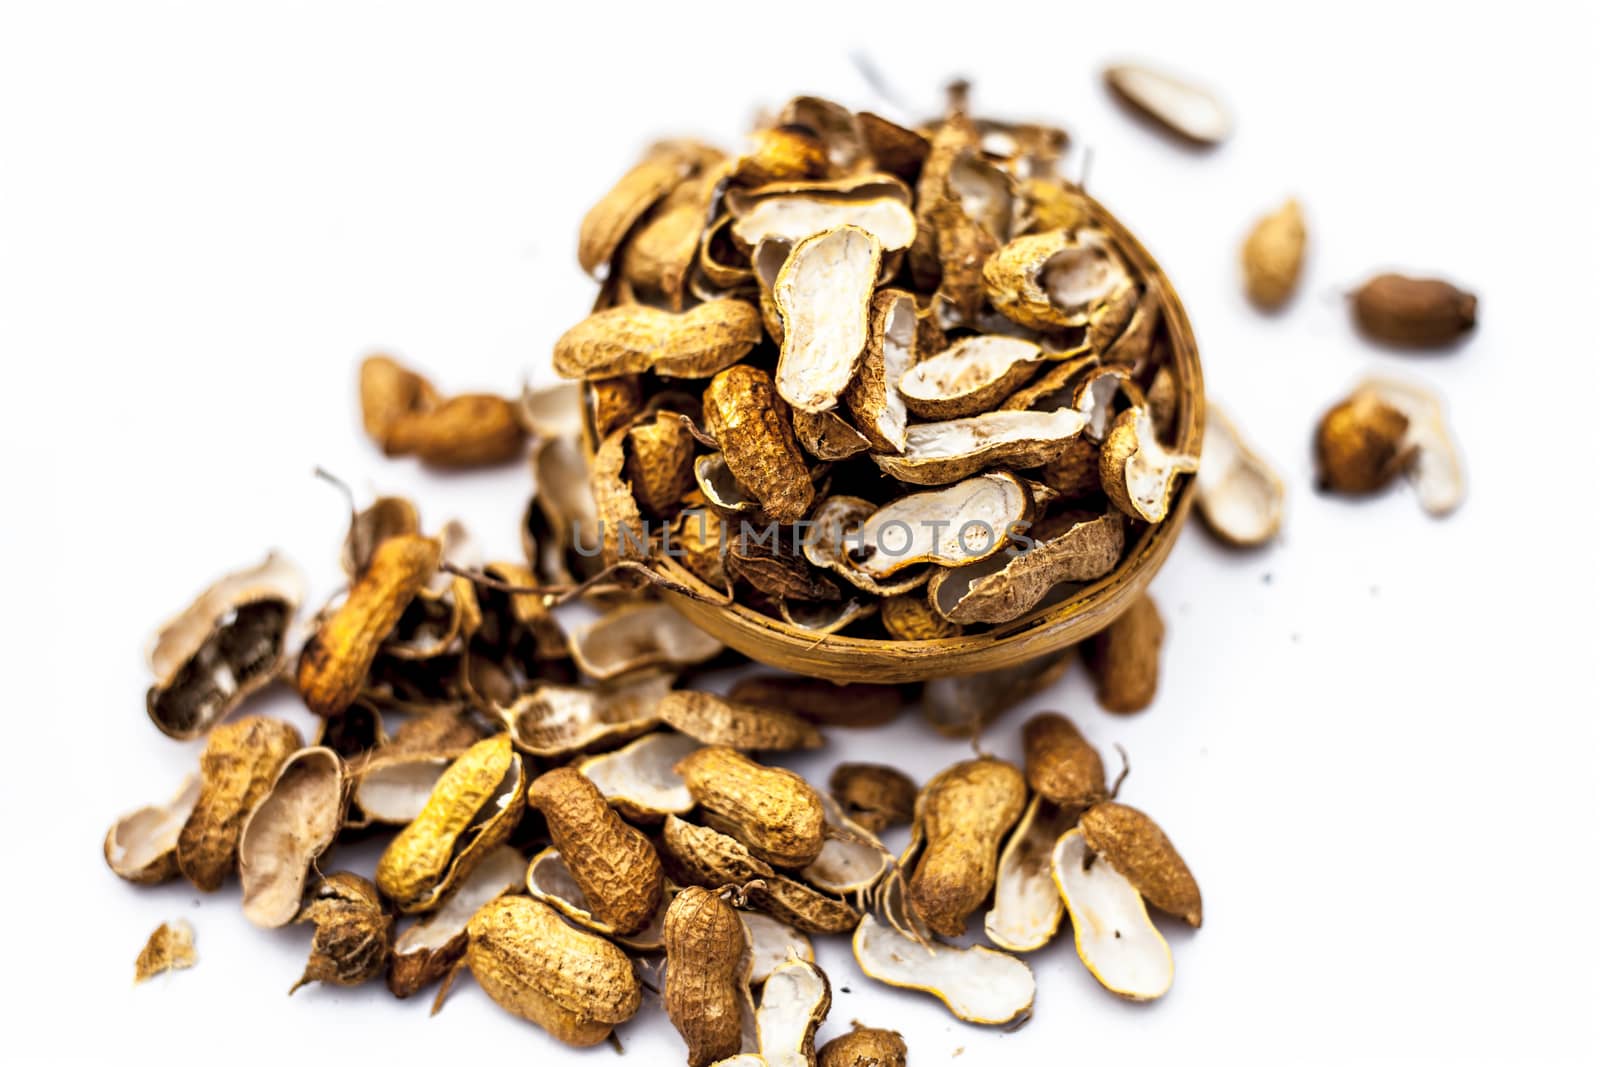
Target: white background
(1375, 741)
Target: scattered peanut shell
(170, 948)
(699, 855)
(706, 987)
(977, 984)
(793, 211)
(613, 864)
(875, 404)
(1125, 658)
(468, 430)
(430, 947)
(782, 154)
(772, 944)
(334, 662)
(1071, 548)
(635, 338)
(639, 637)
(392, 789)
(962, 816)
(1027, 906)
(713, 720)
(1060, 763)
(353, 932)
(937, 453)
(1137, 471)
(852, 858)
(772, 810)
(834, 530)
(963, 523)
(1240, 495)
(293, 824)
(794, 1001)
(1178, 106)
(473, 808)
(971, 376)
(1113, 932)
(558, 720)
(823, 295)
(226, 645)
(635, 193)
(575, 985)
(638, 780)
(744, 412)
(389, 391)
(660, 462)
(1361, 444)
(1272, 255)
(864, 1047)
(1135, 845)
(142, 846)
(238, 767)
(550, 881)
(1414, 312)
(1431, 459)
(827, 436)
(874, 795)
(1049, 281)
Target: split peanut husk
(1240, 495)
(1114, 935)
(229, 643)
(431, 946)
(977, 984)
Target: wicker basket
(853, 659)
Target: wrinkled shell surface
(1135, 845)
(238, 767)
(772, 810)
(962, 816)
(575, 985)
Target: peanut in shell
(1414, 312)
(705, 988)
(333, 665)
(962, 816)
(774, 811)
(614, 864)
(635, 338)
(1060, 764)
(575, 985)
(1133, 844)
(469, 430)
(474, 806)
(1272, 255)
(1125, 658)
(237, 769)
